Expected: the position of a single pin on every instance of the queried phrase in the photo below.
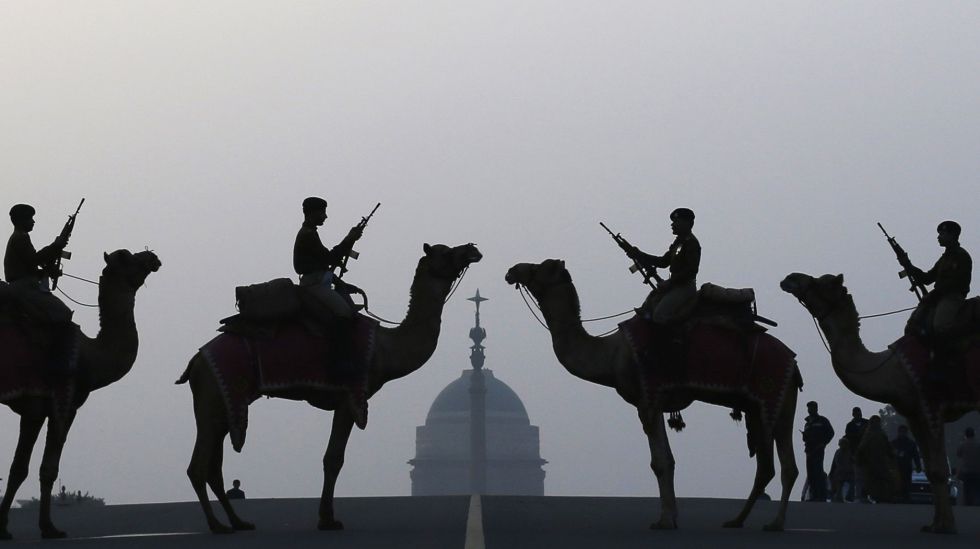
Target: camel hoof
(52, 533)
(773, 527)
(664, 525)
(219, 528)
(5, 535)
(331, 524)
(733, 524)
(932, 529)
(243, 525)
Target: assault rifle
(907, 270)
(648, 272)
(54, 270)
(353, 254)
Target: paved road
(508, 523)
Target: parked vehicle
(921, 491)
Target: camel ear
(839, 280)
(105, 256)
(426, 248)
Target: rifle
(903, 259)
(55, 269)
(353, 254)
(647, 272)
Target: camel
(882, 377)
(609, 361)
(102, 360)
(399, 351)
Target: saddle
(964, 333)
(264, 307)
(733, 308)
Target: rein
(455, 286)
(529, 299)
(823, 339)
(73, 300)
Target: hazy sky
(197, 128)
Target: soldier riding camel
(935, 319)
(29, 273)
(672, 298)
(331, 305)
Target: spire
(477, 334)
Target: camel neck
(410, 344)
(583, 355)
(113, 351)
(869, 374)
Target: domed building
(477, 437)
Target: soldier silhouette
(935, 318)
(333, 309)
(27, 271)
(666, 305)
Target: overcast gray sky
(197, 128)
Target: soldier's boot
(58, 367)
(353, 378)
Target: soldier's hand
(60, 242)
(356, 232)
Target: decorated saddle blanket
(247, 367)
(26, 370)
(717, 358)
(957, 386)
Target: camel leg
(788, 472)
(211, 427)
(31, 422)
(202, 459)
(662, 463)
(217, 483)
(934, 455)
(53, 445)
(764, 468)
(333, 461)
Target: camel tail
(798, 378)
(186, 376)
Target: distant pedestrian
(853, 432)
(236, 491)
(876, 460)
(842, 472)
(907, 458)
(817, 433)
(968, 467)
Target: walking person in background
(968, 467)
(236, 492)
(907, 458)
(817, 433)
(876, 460)
(842, 472)
(853, 432)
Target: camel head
(449, 263)
(820, 296)
(130, 268)
(537, 278)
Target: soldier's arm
(925, 277)
(650, 259)
(50, 252)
